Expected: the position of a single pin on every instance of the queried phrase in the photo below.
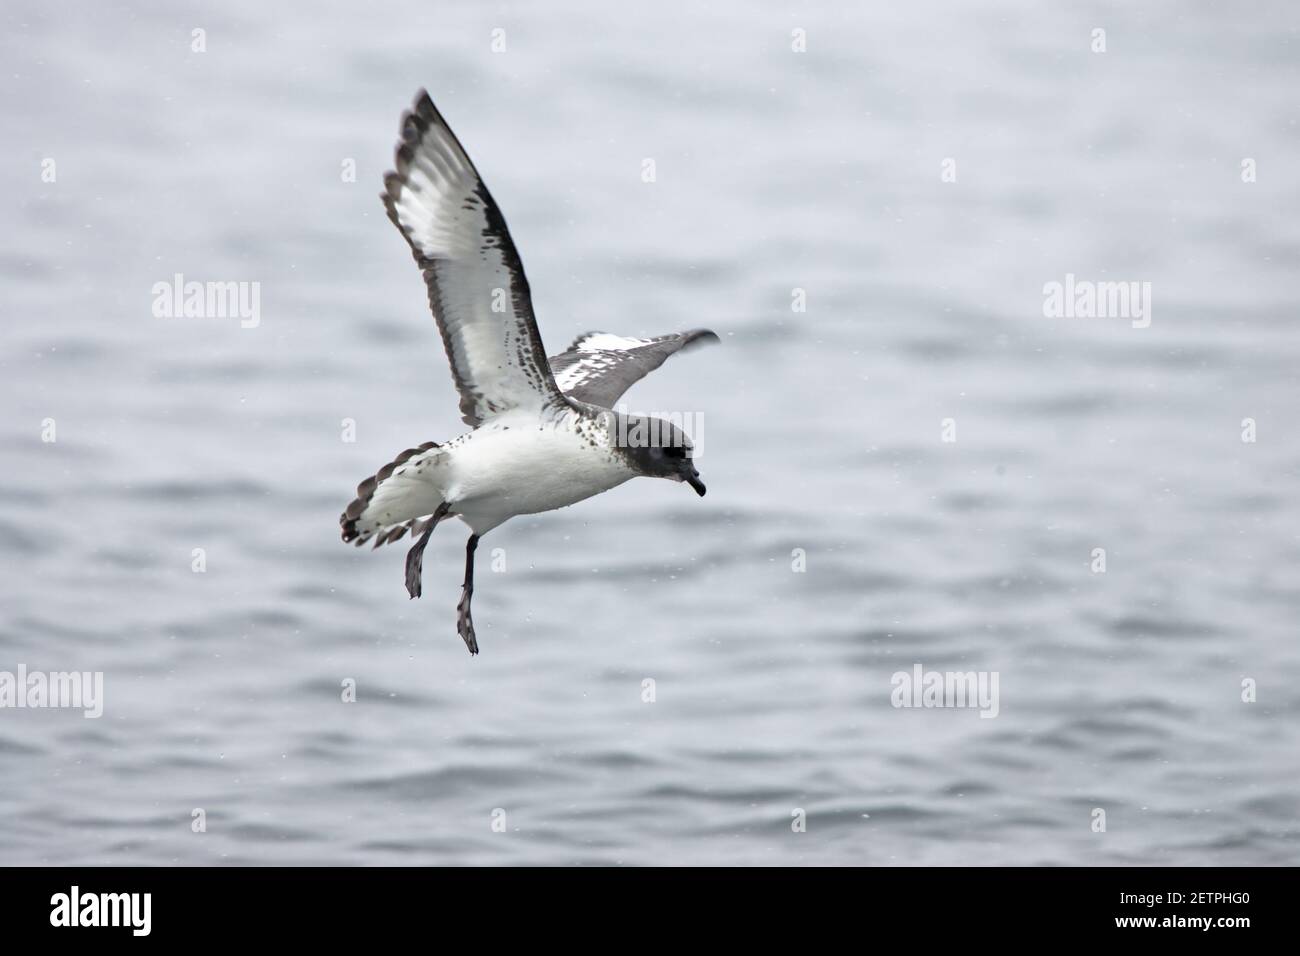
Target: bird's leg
(415, 557)
(464, 622)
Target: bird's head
(659, 449)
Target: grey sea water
(775, 171)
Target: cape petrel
(544, 435)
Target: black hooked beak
(692, 478)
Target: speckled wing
(477, 288)
(598, 367)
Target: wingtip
(422, 106)
(698, 337)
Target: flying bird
(544, 434)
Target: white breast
(515, 465)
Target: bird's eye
(675, 451)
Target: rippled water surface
(775, 171)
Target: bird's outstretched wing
(477, 288)
(599, 367)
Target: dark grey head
(658, 449)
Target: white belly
(511, 466)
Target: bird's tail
(402, 496)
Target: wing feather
(599, 367)
(478, 292)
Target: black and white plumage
(544, 436)
(477, 288)
(599, 367)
